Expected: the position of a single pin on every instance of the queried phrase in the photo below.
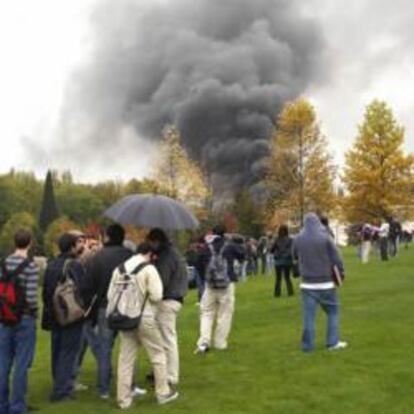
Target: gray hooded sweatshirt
(316, 252)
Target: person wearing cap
(66, 341)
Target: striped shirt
(29, 279)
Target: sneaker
(138, 392)
(339, 345)
(80, 387)
(104, 396)
(165, 399)
(202, 349)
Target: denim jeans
(328, 301)
(106, 338)
(17, 347)
(66, 348)
(90, 339)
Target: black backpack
(12, 294)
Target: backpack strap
(16, 272)
(140, 267)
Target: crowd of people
(87, 284)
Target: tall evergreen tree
(49, 211)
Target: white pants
(365, 250)
(216, 305)
(167, 320)
(149, 336)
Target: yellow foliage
(178, 176)
(300, 171)
(378, 175)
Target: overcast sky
(369, 53)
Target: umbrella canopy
(149, 210)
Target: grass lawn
(264, 370)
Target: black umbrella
(148, 210)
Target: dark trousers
(384, 248)
(66, 347)
(283, 271)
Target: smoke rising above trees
(218, 70)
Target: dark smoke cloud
(219, 69)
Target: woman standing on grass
(282, 253)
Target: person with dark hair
(101, 267)
(18, 341)
(282, 253)
(173, 271)
(217, 303)
(147, 283)
(66, 341)
(325, 222)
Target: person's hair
(22, 238)
(219, 230)
(324, 220)
(116, 234)
(283, 231)
(158, 235)
(144, 248)
(66, 242)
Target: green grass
(264, 370)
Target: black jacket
(53, 273)
(100, 269)
(232, 252)
(172, 268)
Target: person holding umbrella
(173, 271)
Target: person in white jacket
(147, 282)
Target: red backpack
(12, 294)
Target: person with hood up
(317, 254)
(218, 300)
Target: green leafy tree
(16, 221)
(379, 176)
(49, 210)
(54, 231)
(248, 215)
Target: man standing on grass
(218, 300)
(317, 255)
(173, 271)
(18, 338)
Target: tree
(54, 231)
(49, 210)
(379, 177)
(248, 215)
(178, 176)
(300, 174)
(18, 220)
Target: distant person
(18, 328)
(217, 304)
(66, 341)
(317, 254)
(394, 236)
(101, 269)
(282, 253)
(173, 271)
(366, 235)
(325, 222)
(148, 284)
(384, 233)
(262, 249)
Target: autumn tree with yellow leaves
(300, 171)
(177, 175)
(379, 177)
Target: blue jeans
(17, 348)
(66, 348)
(328, 301)
(106, 338)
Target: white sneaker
(80, 387)
(339, 345)
(202, 349)
(138, 392)
(104, 396)
(165, 399)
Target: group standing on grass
(93, 294)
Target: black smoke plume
(218, 69)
